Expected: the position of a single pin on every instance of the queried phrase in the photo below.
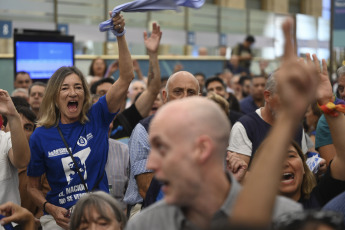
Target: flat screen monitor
(42, 54)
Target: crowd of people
(229, 151)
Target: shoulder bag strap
(74, 162)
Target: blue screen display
(42, 59)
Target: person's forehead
(105, 85)
(247, 81)
(25, 120)
(99, 61)
(37, 88)
(215, 84)
(138, 84)
(183, 81)
(341, 80)
(259, 80)
(236, 79)
(199, 77)
(72, 79)
(23, 76)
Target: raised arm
(296, 84)
(19, 154)
(336, 123)
(137, 70)
(146, 99)
(112, 68)
(118, 92)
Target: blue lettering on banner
(5, 29)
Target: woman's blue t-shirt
(89, 145)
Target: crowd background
(209, 27)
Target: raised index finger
(289, 51)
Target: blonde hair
(49, 112)
(309, 181)
(221, 101)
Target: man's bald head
(188, 139)
(179, 85)
(201, 117)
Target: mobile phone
(7, 226)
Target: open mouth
(72, 106)
(163, 183)
(287, 177)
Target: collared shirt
(139, 149)
(117, 168)
(170, 217)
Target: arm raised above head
(146, 99)
(19, 154)
(335, 120)
(118, 91)
(296, 88)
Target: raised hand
(324, 92)
(6, 105)
(118, 22)
(112, 68)
(296, 81)
(152, 42)
(136, 65)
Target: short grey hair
(38, 83)
(341, 71)
(20, 90)
(97, 201)
(271, 83)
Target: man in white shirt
(14, 151)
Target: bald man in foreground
(187, 156)
(179, 85)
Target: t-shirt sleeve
(36, 166)
(101, 113)
(7, 138)
(239, 141)
(323, 135)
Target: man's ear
(267, 95)
(165, 96)
(204, 147)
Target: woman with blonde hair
(71, 143)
